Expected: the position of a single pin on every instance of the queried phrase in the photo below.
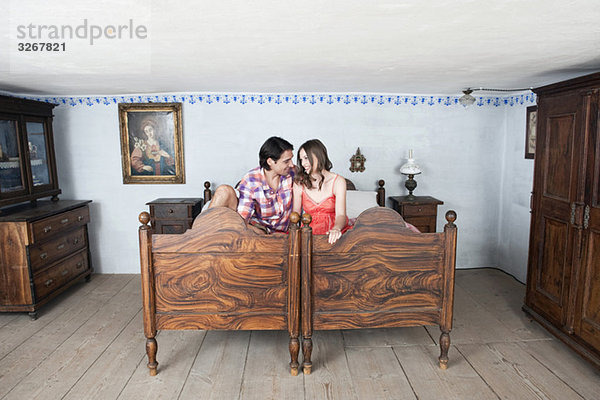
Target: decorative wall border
(363, 99)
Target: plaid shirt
(259, 204)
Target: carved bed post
(149, 305)
(448, 295)
(294, 293)
(306, 294)
(381, 193)
(207, 192)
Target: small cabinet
(174, 215)
(27, 159)
(421, 211)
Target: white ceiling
(404, 47)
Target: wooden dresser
(421, 211)
(43, 250)
(174, 215)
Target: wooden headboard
(349, 186)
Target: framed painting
(151, 142)
(530, 132)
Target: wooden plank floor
(89, 344)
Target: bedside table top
(416, 200)
(176, 200)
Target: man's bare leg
(224, 196)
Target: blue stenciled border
(214, 98)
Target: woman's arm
(339, 190)
(297, 198)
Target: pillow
(358, 201)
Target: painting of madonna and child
(151, 143)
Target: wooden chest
(43, 250)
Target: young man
(265, 200)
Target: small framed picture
(530, 132)
(151, 142)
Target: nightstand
(421, 211)
(174, 215)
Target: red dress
(323, 213)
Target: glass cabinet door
(38, 153)
(11, 175)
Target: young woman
(320, 192)
(147, 157)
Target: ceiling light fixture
(466, 99)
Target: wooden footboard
(379, 274)
(220, 275)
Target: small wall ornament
(357, 161)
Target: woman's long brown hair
(317, 148)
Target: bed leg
(306, 354)
(294, 351)
(151, 348)
(444, 346)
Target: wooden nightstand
(174, 215)
(421, 211)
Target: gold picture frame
(530, 132)
(151, 143)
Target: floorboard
(177, 351)
(460, 381)
(501, 363)
(54, 376)
(376, 374)
(71, 311)
(109, 374)
(89, 344)
(218, 370)
(330, 377)
(267, 372)
(22, 327)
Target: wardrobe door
(587, 318)
(554, 230)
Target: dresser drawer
(41, 255)
(56, 224)
(59, 274)
(425, 224)
(418, 210)
(172, 226)
(171, 211)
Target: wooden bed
(221, 275)
(378, 274)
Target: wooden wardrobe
(563, 279)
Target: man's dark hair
(273, 148)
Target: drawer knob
(170, 211)
(76, 241)
(65, 272)
(49, 282)
(64, 221)
(60, 246)
(43, 255)
(79, 264)
(80, 218)
(47, 229)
